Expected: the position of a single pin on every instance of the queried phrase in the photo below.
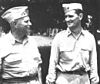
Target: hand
(94, 80)
(48, 82)
(93, 83)
(98, 42)
(33, 72)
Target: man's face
(22, 26)
(72, 19)
(24, 23)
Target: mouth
(69, 23)
(28, 27)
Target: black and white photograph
(49, 41)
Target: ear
(13, 24)
(81, 16)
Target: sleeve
(93, 63)
(53, 60)
(37, 56)
(34, 52)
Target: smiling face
(73, 19)
(22, 27)
(24, 23)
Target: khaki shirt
(69, 53)
(20, 59)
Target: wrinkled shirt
(18, 59)
(69, 53)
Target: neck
(18, 38)
(76, 30)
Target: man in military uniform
(73, 57)
(19, 56)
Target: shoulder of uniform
(87, 33)
(61, 32)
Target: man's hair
(78, 11)
(16, 20)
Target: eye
(68, 16)
(26, 21)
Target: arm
(93, 64)
(37, 60)
(53, 61)
(39, 74)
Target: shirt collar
(70, 33)
(13, 40)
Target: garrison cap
(71, 6)
(15, 13)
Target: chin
(70, 26)
(21, 33)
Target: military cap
(15, 13)
(71, 6)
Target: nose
(67, 19)
(30, 23)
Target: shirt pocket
(66, 48)
(85, 52)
